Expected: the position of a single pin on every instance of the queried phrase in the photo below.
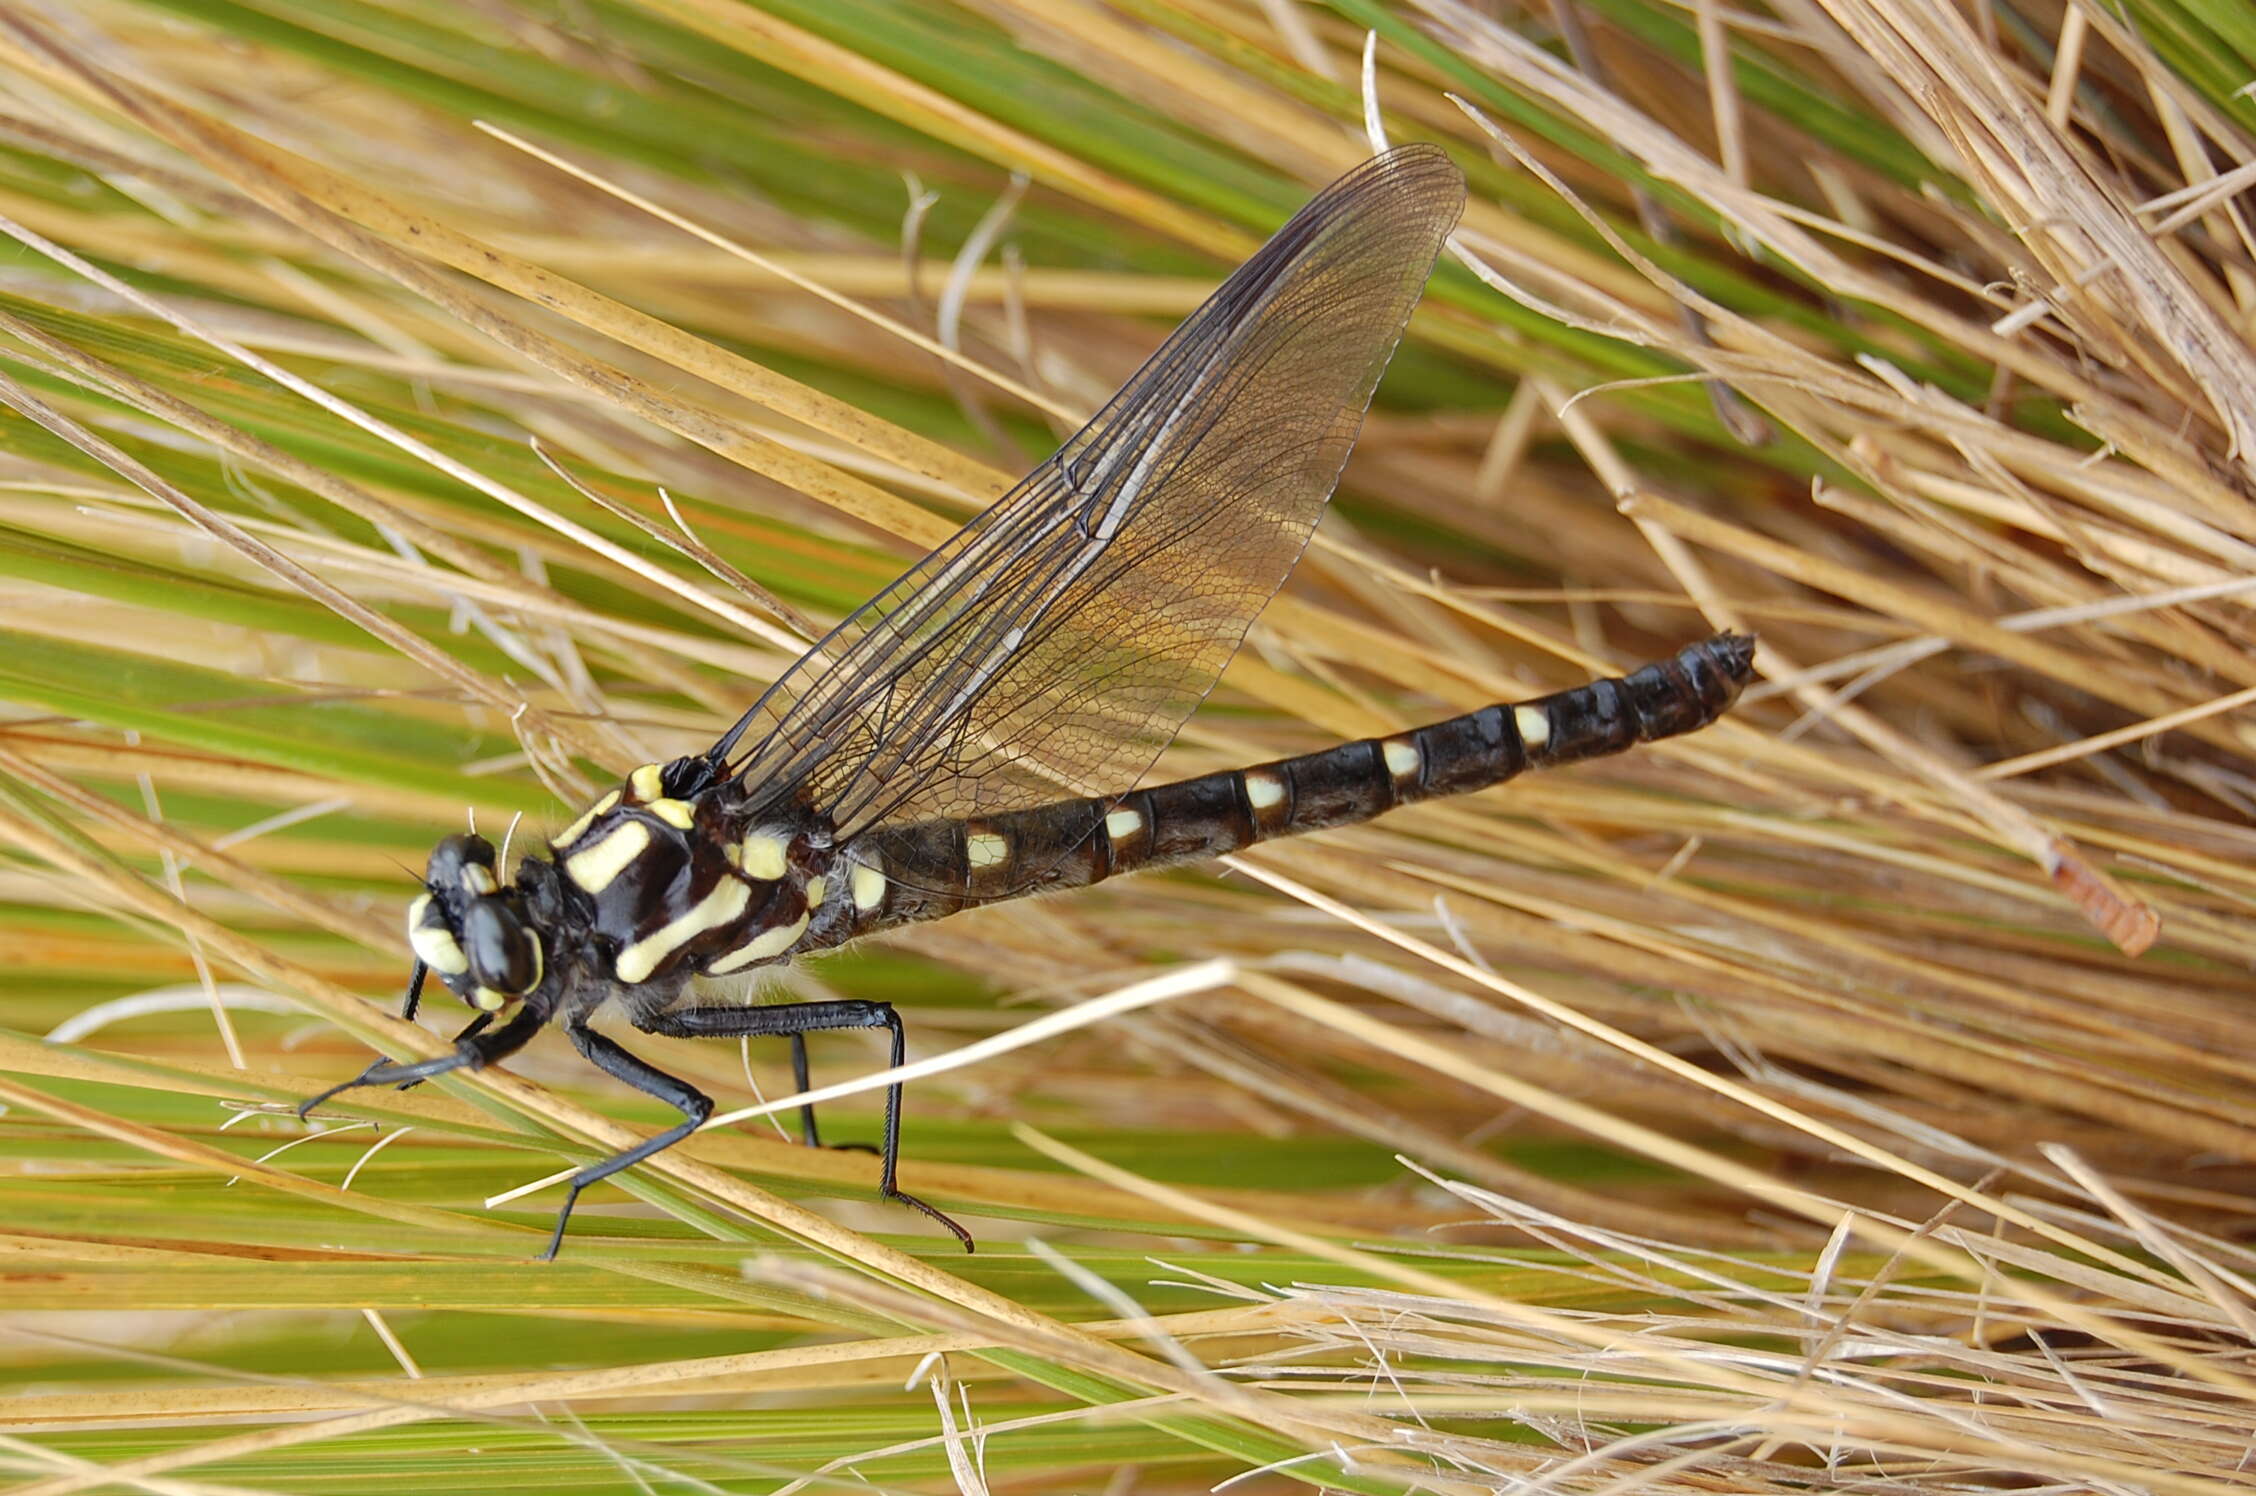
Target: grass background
(409, 407)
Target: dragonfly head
(476, 934)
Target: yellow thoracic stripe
(578, 828)
(595, 866)
(769, 942)
(724, 905)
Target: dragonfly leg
(470, 1030)
(408, 1005)
(793, 1020)
(695, 1107)
(808, 1133)
(807, 1130)
(414, 998)
(474, 1049)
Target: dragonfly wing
(1056, 643)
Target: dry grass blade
(410, 408)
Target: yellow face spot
(578, 828)
(763, 856)
(724, 905)
(816, 888)
(761, 947)
(646, 783)
(1534, 725)
(986, 849)
(674, 812)
(595, 866)
(867, 885)
(1401, 757)
(477, 879)
(1122, 824)
(1264, 791)
(438, 949)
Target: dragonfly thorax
(677, 873)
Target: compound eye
(464, 862)
(504, 955)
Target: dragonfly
(975, 731)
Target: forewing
(1056, 643)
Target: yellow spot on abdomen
(867, 885)
(1401, 757)
(986, 849)
(1122, 824)
(1264, 791)
(1534, 724)
(596, 866)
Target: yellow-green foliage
(416, 406)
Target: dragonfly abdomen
(935, 868)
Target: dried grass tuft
(412, 408)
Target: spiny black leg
(887, 1185)
(791, 1019)
(647, 1078)
(471, 1030)
(807, 1133)
(414, 996)
(408, 1005)
(473, 1051)
(799, 1081)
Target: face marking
(647, 784)
(1534, 724)
(761, 947)
(763, 856)
(477, 880)
(1122, 824)
(488, 1000)
(1401, 757)
(867, 885)
(674, 812)
(1262, 791)
(986, 849)
(816, 888)
(438, 950)
(578, 828)
(725, 904)
(594, 867)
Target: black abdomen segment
(935, 868)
